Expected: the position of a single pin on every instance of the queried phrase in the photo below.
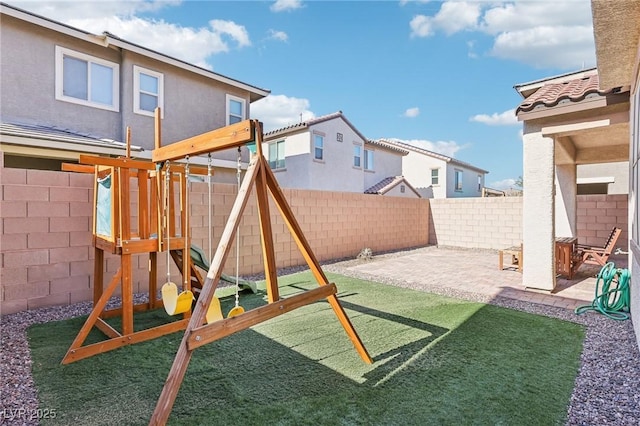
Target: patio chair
(597, 255)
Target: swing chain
(167, 211)
(185, 212)
(210, 212)
(238, 172)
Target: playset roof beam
(231, 136)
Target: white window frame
(368, 167)
(136, 91)
(60, 53)
(359, 156)
(313, 146)
(230, 98)
(457, 181)
(437, 176)
(479, 183)
(277, 145)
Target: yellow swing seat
(214, 312)
(234, 312)
(175, 303)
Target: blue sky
(437, 74)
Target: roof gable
(388, 183)
(107, 39)
(307, 124)
(432, 154)
(554, 93)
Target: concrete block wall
(494, 223)
(46, 256)
(486, 223)
(598, 215)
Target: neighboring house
(56, 79)
(328, 153)
(616, 27)
(439, 176)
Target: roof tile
(552, 94)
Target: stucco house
(329, 153)
(66, 91)
(439, 176)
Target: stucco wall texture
(45, 233)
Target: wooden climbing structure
(119, 230)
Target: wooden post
(128, 142)
(266, 234)
(125, 258)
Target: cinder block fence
(46, 219)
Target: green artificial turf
(437, 360)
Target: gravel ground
(607, 389)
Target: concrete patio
(476, 271)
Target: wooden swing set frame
(196, 332)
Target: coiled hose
(613, 298)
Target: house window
(276, 155)
(339, 137)
(435, 178)
(318, 145)
(458, 180)
(402, 189)
(357, 156)
(368, 159)
(235, 109)
(479, 183)
(86, 80)
(148, 91)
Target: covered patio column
(566, 201)
(538, 233)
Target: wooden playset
(154, 230)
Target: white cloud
(412, 112)
(276, 111)
(503, 184)
(238, 33)
(278, 35)
(64, 10)
(448, 148)
(194, 45)
(506, 118)
(556, 34)
(284, 5)
(544, 46)
(453, 16)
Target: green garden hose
(613, 299)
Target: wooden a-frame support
(196, 334)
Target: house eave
(593, 102)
